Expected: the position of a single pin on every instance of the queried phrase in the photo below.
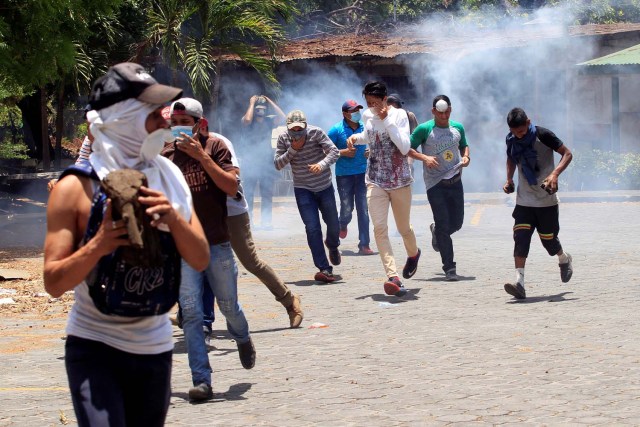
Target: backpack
(118, 287)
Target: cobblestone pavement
(447, 353)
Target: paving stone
(462, 352)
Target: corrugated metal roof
(629, 56)
(414, 41)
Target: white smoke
(486, 70)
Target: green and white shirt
(443, 143)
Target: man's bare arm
(64, 266)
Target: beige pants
(242, 244)
(400, 201)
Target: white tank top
(138, 335)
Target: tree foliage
(355, 16)
(193, 36)
(39, 39)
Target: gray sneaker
(566, 270)
(434, 241)
(517, 290)
(450, 275)
(200, 392)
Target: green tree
(196, 36)
(39, 42)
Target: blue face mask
(176, 130)
(356, 116)
(297, 134)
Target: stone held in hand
(123, 188)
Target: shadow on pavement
(217, 340)
(235, 392)
(441, 278)
(316, 282)
(348, 252)
(548, 298)
(274, 330)
(412, 295)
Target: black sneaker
(200, 392)
(434, 241)
(394, 286)
(324, 276)
(247, 353)
(566, 270)
(334, 256)
(516, 290)
(450, 275)
(411, 266)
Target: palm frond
(199, 65)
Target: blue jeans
(352, 188)
(309, 204)
(222, 274)
(447, 205)
(209, 315)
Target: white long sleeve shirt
(389, 142)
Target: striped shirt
(85, 151)
(317, 148)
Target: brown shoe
(365, 250)
(295, 312)
(324, 276)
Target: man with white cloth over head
(118, 367)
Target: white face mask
(177, 129)
(154, 142)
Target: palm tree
(166, 19)
(202, 33)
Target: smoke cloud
(486, 66)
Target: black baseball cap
(129, 80)
(394, 98)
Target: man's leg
(308, 208)
(249, 182)
(438, 196)
(223, 278)
(245, 249)
(147, 389)
(208, 313)
(266, 198)
(524, 225)
(454, 197)
(362, 211)
(378, 202)
(401, 207)
(93, 381)
(346, 191)
(329, 211)
(548, 229)
(191, 290)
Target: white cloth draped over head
(119, 132)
